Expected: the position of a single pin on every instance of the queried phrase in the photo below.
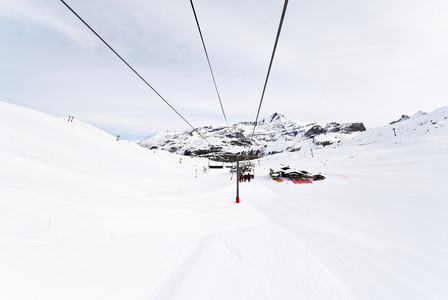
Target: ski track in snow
(83, 216)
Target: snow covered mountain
(274, 134)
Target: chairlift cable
(270, 64)
(122, 59)
(208, 60)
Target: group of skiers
(244, 177)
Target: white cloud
(36, 13)
(349, 60)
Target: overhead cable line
(136, 73)
(208, 60)
(270, 64)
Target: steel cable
(270, 63)
(208, 60)
(136, 73)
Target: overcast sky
(337, 60)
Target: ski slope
(83, 216)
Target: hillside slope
(83, 216)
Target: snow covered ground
(83, 216)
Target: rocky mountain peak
(403, 118)
(406, 117)
(275, 117)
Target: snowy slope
(83, 216)
(378, 223)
